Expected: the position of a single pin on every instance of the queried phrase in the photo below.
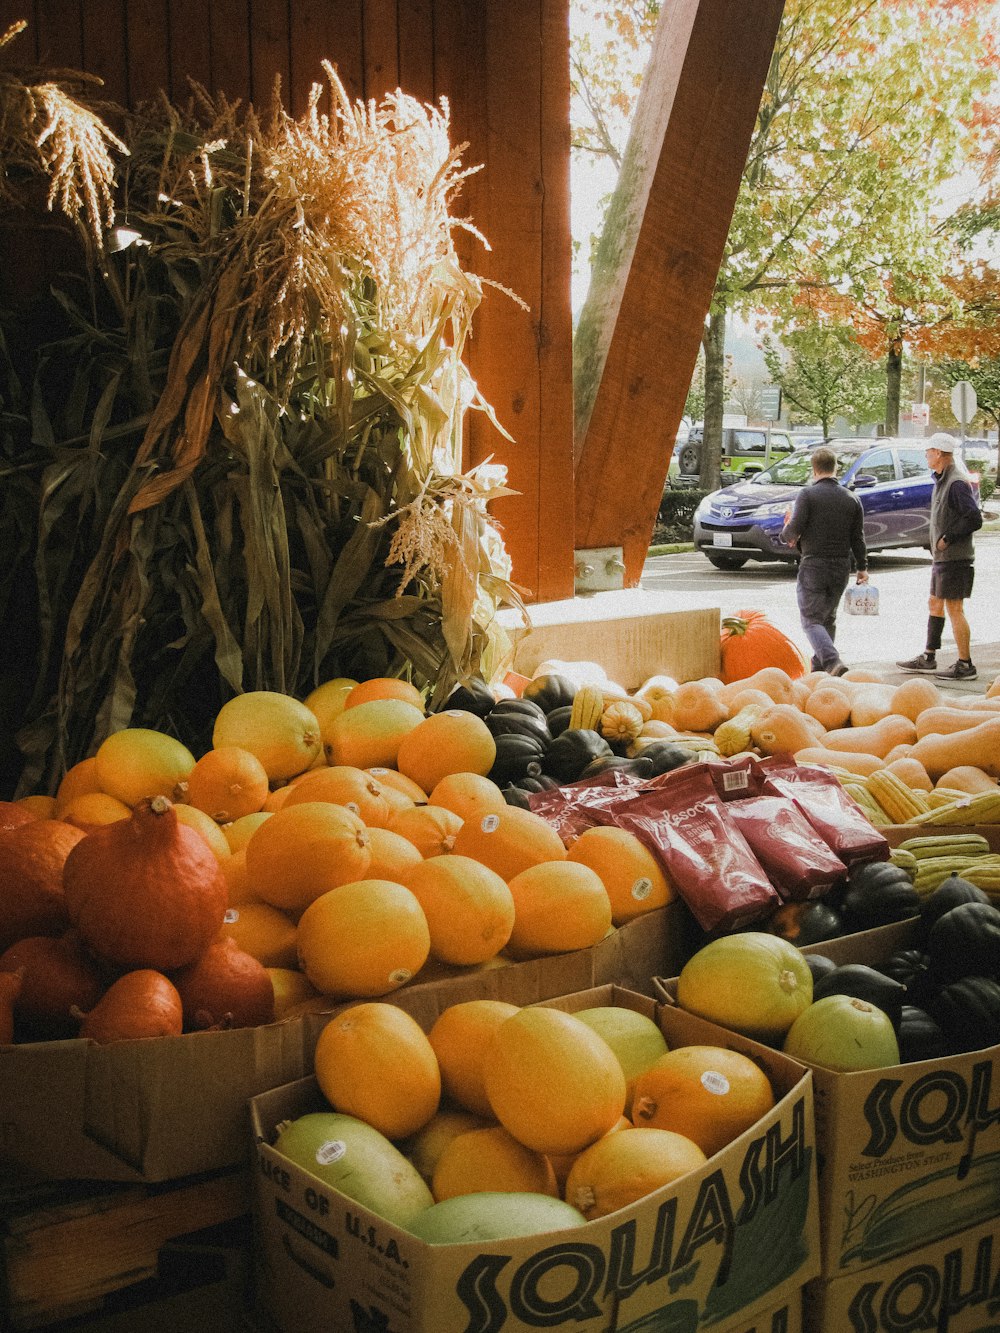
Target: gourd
(878, 738)
(142, 1003)
(965, 941)
(805, 923)
(472, 696)
(514, 754)
(621, 722)
(920, 1036)
(945, 721)
(843, 1033)
(911, 771)
(782, 729)
(697, 707)
(878, 893)
(571, 752)
(864, 765)
(734, 735)
(749, 641)
(517, 717)
(910, 967)
(913, 696)
(967, 778)
(665, 755)
(559, 719)
(978, 745)
(864, 983)
(968, 1011)
(829, 706)
(145, 892)
(869, 703)
(951, 892)
(550, 691)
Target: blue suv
(889, 476)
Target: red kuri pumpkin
(749, 641)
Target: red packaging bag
(844, 827)
(799, 862)
(569, 808)
(706, 857)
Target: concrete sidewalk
(986, 657)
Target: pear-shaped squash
(225, 988)
(146, 891)
(143, 1003)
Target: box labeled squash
(952, 1286)
(730, 1243)
(908, 1154)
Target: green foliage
(983, 375)
(825, 374)
(675, 520)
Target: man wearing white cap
(955, 516)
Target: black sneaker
(958, 671)
(839, 670)
(925, 662)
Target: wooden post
(658, 260)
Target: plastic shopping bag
(861, 599)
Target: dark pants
(820, 585)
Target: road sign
(770, 402)
(963, 401)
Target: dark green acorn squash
(667, 755)
(876, 894)
(472, 696)
(550, 692)
(920, 1037)
(864, 983)
(968, 1011)
(514, 754)
(911, 968)
(965, 942)
(517, 717)
(806, 922)
(952, 892)
(819, 965)
(637, 768)
(570, 753)
(558, 719)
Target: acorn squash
(968, 1011)
(471, 696)
(878, 893)
(514, 754)
(570, 753)
(919, 1036)
(550, 691)
(864, 983)
(807, 922)
(965, 942)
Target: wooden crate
(168, 1256)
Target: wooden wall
(504, 68)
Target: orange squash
(878, 738)
(143, 1003)
(145, 892)
(749, 641)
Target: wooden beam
(658, 260)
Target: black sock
(935, 629)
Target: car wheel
(727, 562)
(689, 459)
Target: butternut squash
(966, 778)
(978, 746)
(782, 728)
(697, 706)
(898, 752)
(737, 702)
(829, 706)
(994, 690)
(776, 684)
(945, 720)
(864, 676)
(862, 764)
(912, 772)
(877, 738)
(913, 696)
(870, 703)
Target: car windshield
(796, 469)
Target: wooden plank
(60, 33)
(189, 48)
(270, 56)
(325, 30)
(381, 48)
(62, 1256)
(104, 47)
(148, 25)
(229, 38)
(416, 49)
(638, 336)
(516, 346)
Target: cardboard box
(783, 1318)
(174, 1106)
(907, 1154)
(736, 1238)
(952, 1286)
(142, 1111)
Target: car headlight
(767, 511)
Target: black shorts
(951, 580)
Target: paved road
(897, 632)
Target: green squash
(843, 1033)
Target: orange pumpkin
(147, 891)
(749, 641)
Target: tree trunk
(893, 384)
(714, 342)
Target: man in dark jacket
(827, 525)
(955, 516)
